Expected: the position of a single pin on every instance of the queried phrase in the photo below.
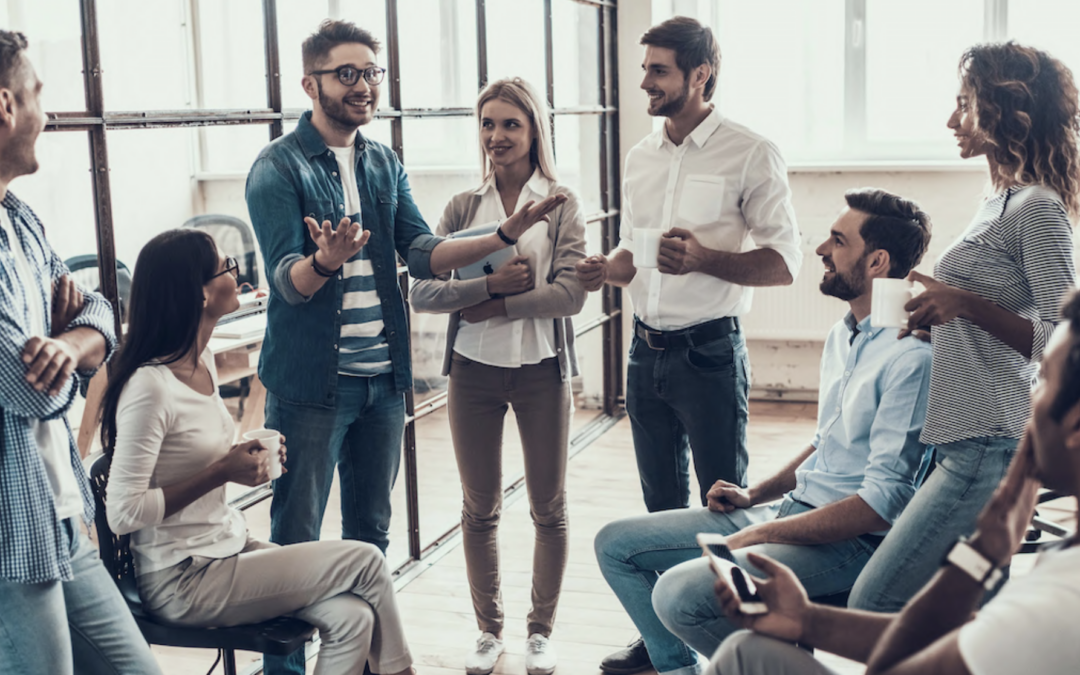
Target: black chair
(84, 270)
(281, 636)
(233, 237)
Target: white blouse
(501, 341)
(166, 432)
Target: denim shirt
(874, 390)
(294, 177)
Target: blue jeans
(944, 508)
(361, 436)
(683, 400)
(47, 628)
(676, 612)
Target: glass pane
(232, 71)
(440, 486)
(53, 30)
(129, 31)
(397, 553)
(909, 99)
(576, 47)
(428, 346)
(62, 196)
(588, 386)
(442, 157)
(512, 50)
(297, 19)
(782, 72)
(232, 149)
(1029, 24)
(438, 54)
(577, 157)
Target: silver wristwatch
(964, 557)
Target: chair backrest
(233, 237)
(84, 270)
(115, 551)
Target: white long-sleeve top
(167, 432)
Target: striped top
(362, 348)
(1018, 254)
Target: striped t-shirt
(362, 348)
(1018, 254)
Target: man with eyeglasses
(58, 607)
(333, 211)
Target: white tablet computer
(488, 264)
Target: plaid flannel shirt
(33, 548)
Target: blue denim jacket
(296, 176)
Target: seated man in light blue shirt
(825, 512)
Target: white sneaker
(539, 655)
(481, 661)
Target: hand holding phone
(716, 549)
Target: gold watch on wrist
(971, 562)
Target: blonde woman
(511, 344)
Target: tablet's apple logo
(488, 269)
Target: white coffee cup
(647, 246)
(271, 440)
(887, 302)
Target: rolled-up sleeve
(278, 220)
(895, 451)
(1046, 256)
(767, 206)
(141, 425)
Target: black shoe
(633, 659)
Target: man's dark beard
(675, 105)
(846, 286)
(335, 111)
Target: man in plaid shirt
(60, 608)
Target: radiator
(796, 312)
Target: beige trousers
(479, 397)
(343, 588)
(746, 653)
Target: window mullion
(855, 103)
(995, 20)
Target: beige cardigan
(558, 299)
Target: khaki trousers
(746, 653)
(343, 588)
(479, 397)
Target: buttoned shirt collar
(701, 133)
(538, 183)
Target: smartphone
(715, 547)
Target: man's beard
(846, 286)
(337, 111)
(675, 105)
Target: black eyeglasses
(230, 266)
(349, 75)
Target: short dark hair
(893, 224)
(1068, 394)
(693, 44)
(12, 44)
(330, 34)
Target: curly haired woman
(991, 305)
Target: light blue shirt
(872, 406)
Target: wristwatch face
(971, 562)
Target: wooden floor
(602, 486)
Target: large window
(862, 80)
(157, 113)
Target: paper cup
(646, 246)
(271, 440)
(888, 297)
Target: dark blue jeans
(688, 400)
(361, 436)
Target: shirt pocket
(702, 199)
(320, 210)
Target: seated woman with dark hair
(171, 442)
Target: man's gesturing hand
(50, 362)
(336, 246)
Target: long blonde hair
(523, 96)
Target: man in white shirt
(1028, 627)
(719, 194)
(60, 609)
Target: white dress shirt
(726, 185)
(501, 341)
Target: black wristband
(502, 235)
(320, 270)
